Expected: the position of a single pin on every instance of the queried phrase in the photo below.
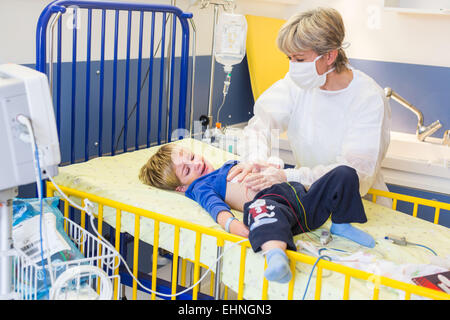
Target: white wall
(377, 34)
(374, 34)
(18, 21)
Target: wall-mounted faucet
(422, 132)
(446, 138)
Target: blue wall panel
(237, 108)
(426, 87)
(423, 212)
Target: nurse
(333, 113)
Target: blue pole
(88, 86)
(172, 70)
(74, 84)
(102, 77)
(183, 74)
(113, 122)
(58, 79)
(161, 79)
(138, 87)
(150, 80)
(127, 84)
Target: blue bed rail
(96, 92)
(118, 82)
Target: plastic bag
(26, 237)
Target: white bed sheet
(116, 178)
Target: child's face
(189, 166)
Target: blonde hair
(159, 170)
(321, 30)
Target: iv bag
(230, 38)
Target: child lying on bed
(273, 215)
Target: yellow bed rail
(221, 236)
(437, 205)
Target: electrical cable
(299, 202)
(311, 273)
(403, 242)
(42, 229)
(106, 291)
(292, 209)
(41, 222)
(37, 168)
(88, 209)
(423, 246)
(159, 293)
(333, 249)
(140, 91)
(142, 86)
(41, 212)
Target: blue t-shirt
(209, 190)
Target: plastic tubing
(27, 122)
(87, 208)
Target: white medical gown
(325, 129)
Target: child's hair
(159, 170)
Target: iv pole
(216, 4)
(213, 65)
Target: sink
(408, 162)
(429, 157)
(407, 147)
(422, 165)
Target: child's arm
(236, 226)
(217, 208)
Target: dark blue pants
(275, 213)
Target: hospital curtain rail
(103, 101)
(221, 237)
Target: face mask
(304, 74)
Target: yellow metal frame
(222, 236)
(437, 205)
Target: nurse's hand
(264, 179)
(241, 170)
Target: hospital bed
(108, 177)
